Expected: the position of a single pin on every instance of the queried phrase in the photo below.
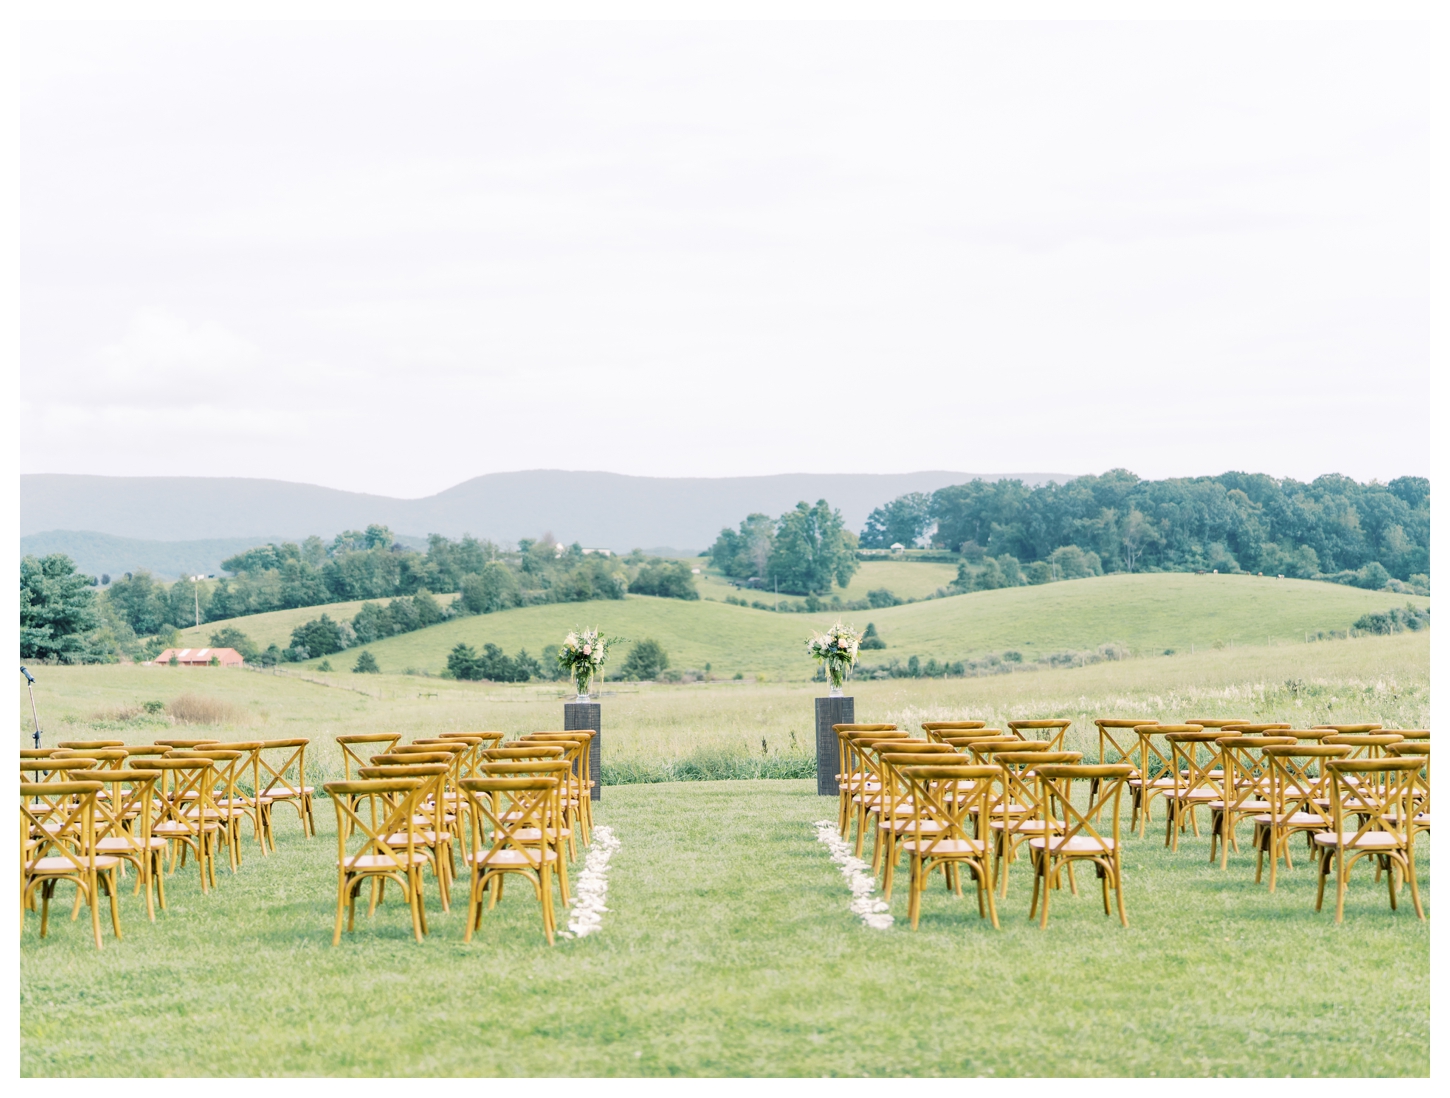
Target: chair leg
(341, 901)
(1117, 861)
(110, 886)
(1341, 880)
(1410, 876)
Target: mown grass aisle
(729, 948)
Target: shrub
(1073, 563)
(670, 579)
(646, 660)
(881, 598)
(871, 640)
(198, 709)
(367, 664)
(319, 637)
(1394, 620)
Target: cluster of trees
(371, 564)
(1331, 528)
(494, 665)
(60, 620)
(1064, 563)
(803, 552)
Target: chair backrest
(381, 809)
(946, 799)
(502, 754)
(1299, 775)
(1055, 729)
(58, 820)
(576, 750)
(1019, 781)
(1216, 722)
(185, 783)
(510, 814)
(186, 743)
(1055, 799)
(228, 767)
(1417, 734)
(1310, 735)
(411, 758)
(1246, 767)
(1378, 793)
(283, 765)
(1253, 729)
(107, 757)
(981, 750)
(1365, 745)
(145, 749)
(365, 744)
(934, 729)
(1152, 760)
(1116, 733)
(87, 745)
(1195, 757)
(1351, 729)
(468, 758)
(129, 807)
(37, 752)
(53, 769)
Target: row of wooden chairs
(1353, 791)
(92, 809)
(517, 808)
(1007, 791)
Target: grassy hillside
(276, 627)
(905, 580)
(1148, 613)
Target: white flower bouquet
(836, 648)
(582, 655)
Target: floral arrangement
(837, 648)
(582, 655)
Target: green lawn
(728, 949)
(1147, 613)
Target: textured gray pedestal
(830, 711)
(579, 716)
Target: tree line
(1330, 528)
(802, 552)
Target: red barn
(201, 657)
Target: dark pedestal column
(579, 716)
(830, 711)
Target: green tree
(231, 637)
(871, 640)
(670, 579)
(645, 661)
(905, 519)
(463, 662)
(812, 549)
(367, 664)
(321, 637)
(493, 588)
(140, 602)
(745, 553)
(58, 613)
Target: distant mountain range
(180, 525)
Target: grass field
(1147, 613)
(728, 949)
(904, 579)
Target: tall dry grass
(200, 709)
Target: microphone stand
(30, 685)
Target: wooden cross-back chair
(431, 827)
(55, 769)
(88, 745)
(1245, 788)
(1217, 722)
(1298, 781)
(870, 801)
(934, 729)
(509, 817)
(187, 744)
(893, 815)
(357, 749)
(1378, 793)
(105, 758)
(246, 786)
(578, 782)
(1419, 819)
(37, 752)
(556, 832)
(944, 799)
(1152, 770)
(283, 772)
(1365, 745)
(379, 810)
(1115, 737)
(1076, 835)
(1197, 772)
(853, 777)
(184, 796)
(1254, 729)
(224, 804)
(58, 843)
(124, 816)
(1349, 729)
(1017, 816)
(981, 750)
(1054, 731)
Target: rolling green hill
(1147, 613)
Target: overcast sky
(391, 257)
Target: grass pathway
(729, 948)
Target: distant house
(201, 657)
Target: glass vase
(581, 683)
(836, 673)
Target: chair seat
(1078, 844)
(1023, 825)
(382, 861)
(1292, 819)
(427, 838)
(129, 845)
(509, 858)
(944, 847)
(907, 825)
(283, 795)
(1370, 840)
(1198, 796)
(1244, 806)
(533, 835)
(58, 864)
(181, 831)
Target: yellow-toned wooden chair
(124, 817)
(556, 832)
(1052, 731)
(1365, 745)
(1211, 723)
(1349, 729)
(574, 792)
(858, 783)
(379, 810)
(1196, 767)
(1245, 788)
(283, 767)
(944, 799)
(981, 751)
(430, 829)
(508, 826)
(225, 803)
(849, 767)
(871, 803)
(184, 796)
(1079, 835)
(1116, 742)
(58, 843)
(893, 814)
(37, 752)
(1016, 816)
(934, 729)
(357, 749)
(1154, 768)
(1378, 793)
(56, 769)
(1298, 781)
(88, 745)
